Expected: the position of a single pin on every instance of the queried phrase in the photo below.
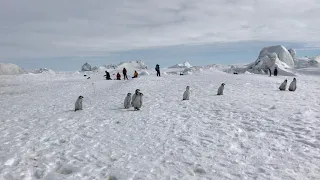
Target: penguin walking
(283, 86)
(137, 100)
(186, 94)
(78, 104)
(293, 85)
(220, 90)
(127, 101)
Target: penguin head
(294, 79)
(285, 80)
(223, 84)
(188, 87)
(129, 94)
(80, 97)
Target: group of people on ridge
(125, 72)
(118, 76)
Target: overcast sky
(101, 28)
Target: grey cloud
(36, 28)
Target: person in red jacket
(118, 76)
(124, 71)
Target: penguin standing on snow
(220, 90)
(186, 94)
(78, 104)
(283, 86)
(293, 85)
(137, 100)
(127, 101)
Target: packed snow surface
(10, 69)
(253, 131)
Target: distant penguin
(220, 90)
(283, 86)
(137, 100)
(293, 85)
(78, 104)
(127, 101)
(186, 94)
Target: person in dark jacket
(275, 72)
(107, 76)
(124, 71)
(158, 69)
(118, 76)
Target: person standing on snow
(158, 69)
(124, 71)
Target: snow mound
(144, 73)
(283, 54)
(86, 67)
(308, 62)
(132, 65)
(183, 65)
(10, 69)
(43, 70)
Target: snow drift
(43, 70)
(10, 69)
(307, 62)
(183, 65)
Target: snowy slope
(10, 69)
(253, 131)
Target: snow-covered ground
(253, 131)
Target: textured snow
(10, 69)
(43, 70)
(308, 62)
(253, 131)
(183, 65)
(282, 53)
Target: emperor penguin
(283, 86)
(220, 90)
(127, 101)
(293, 85)
(186, 94)
(137, 100)
(78, 104)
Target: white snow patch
(10, 69)
(43, 70)
(183, 65)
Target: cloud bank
(37, 28)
